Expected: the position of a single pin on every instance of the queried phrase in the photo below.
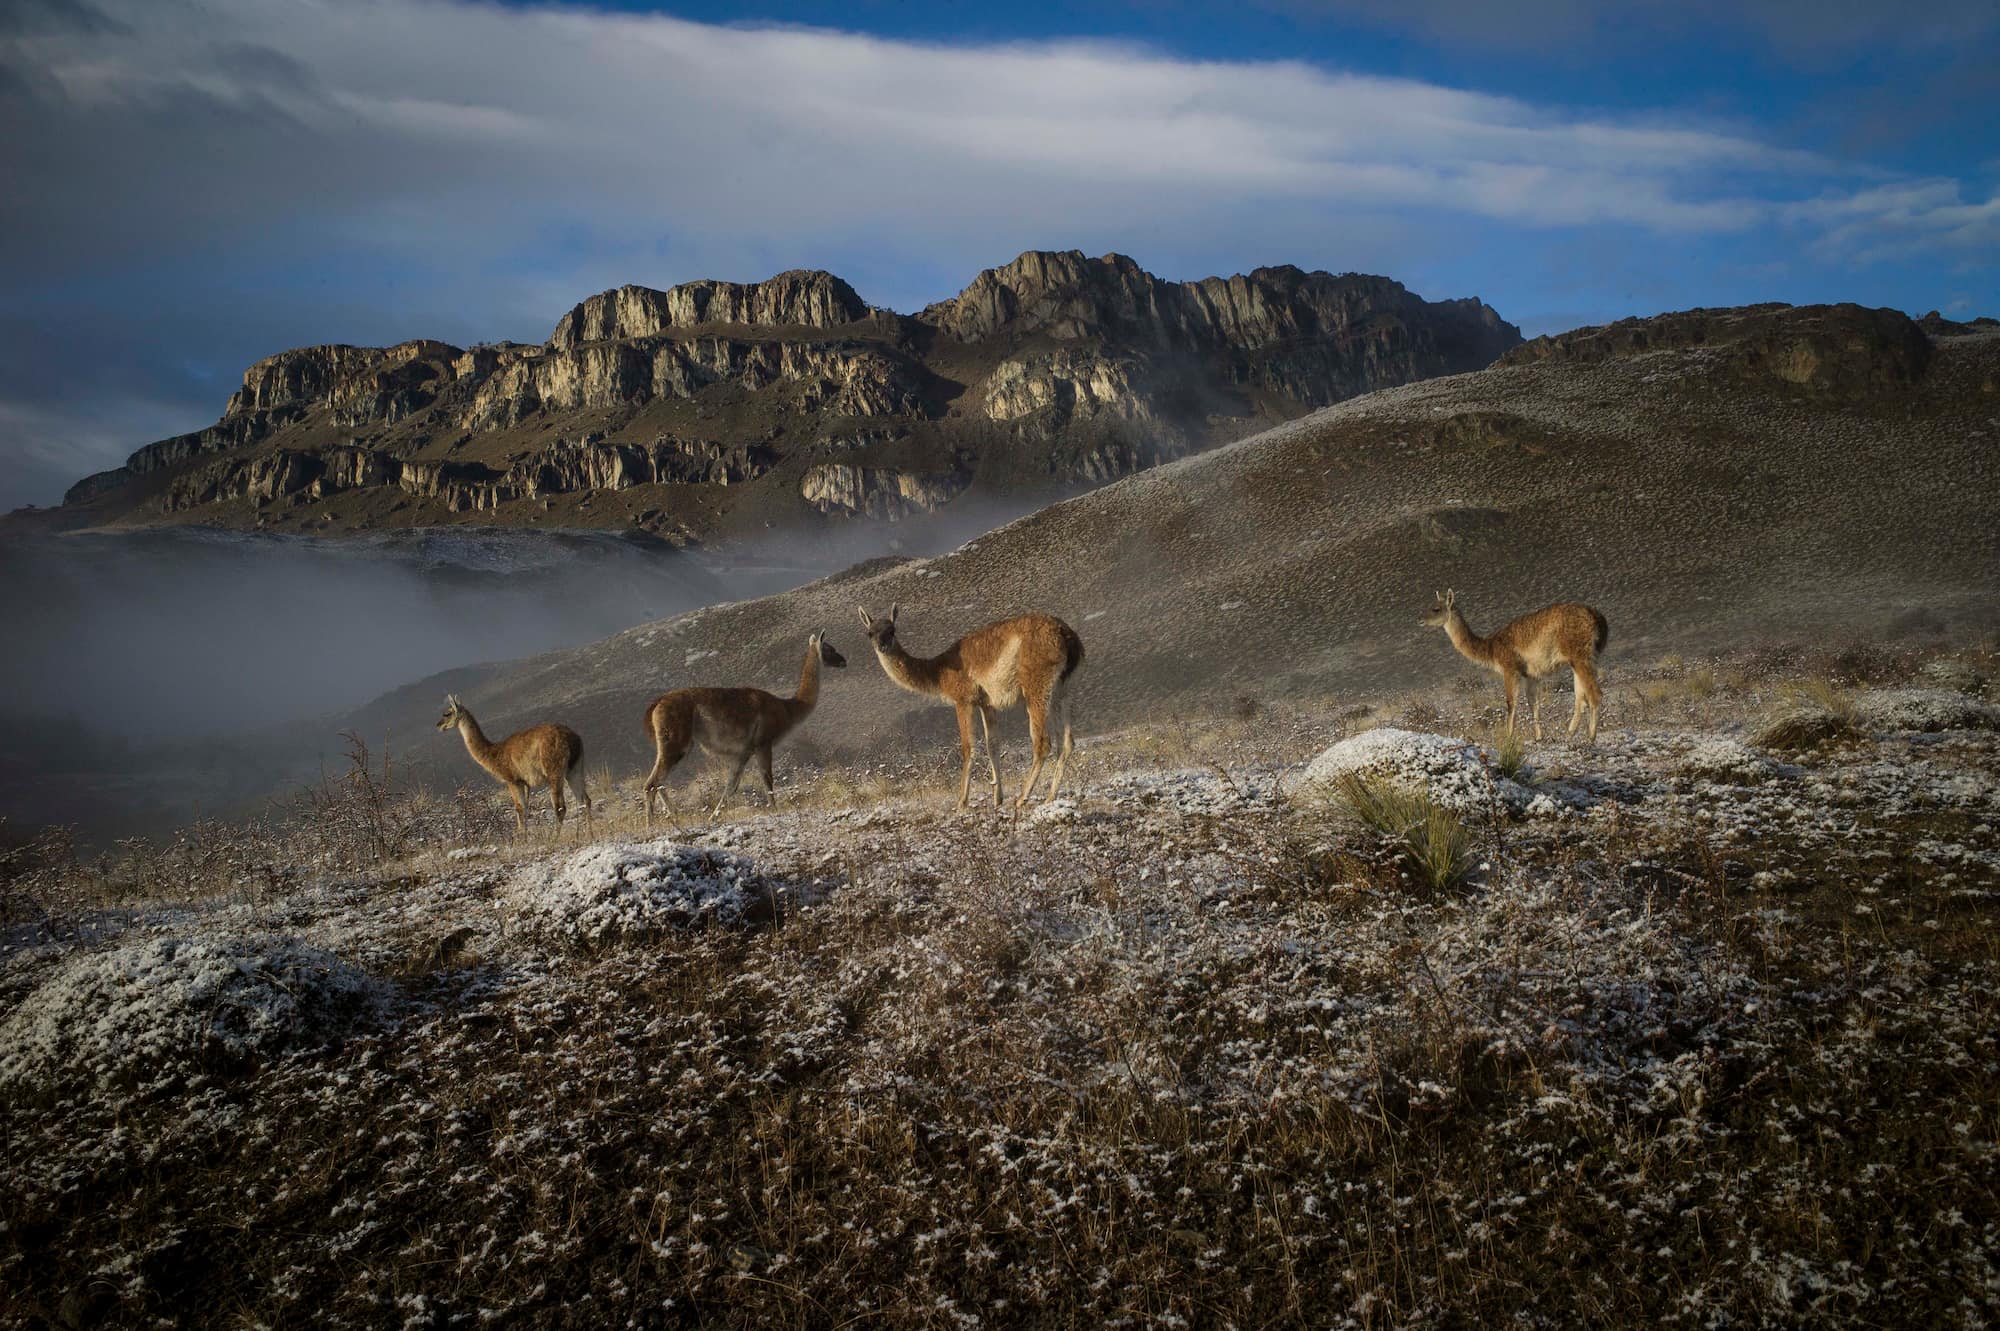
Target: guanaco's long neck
(808, 693)
(906, 671)
(1470, 645)
(476, 743)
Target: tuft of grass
(1811, 712)
(1510, 752)
(1433, 839)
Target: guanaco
(1530, 649)
(540, 755)
(734, 725)
(1027, 659)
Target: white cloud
(468, 109)
(1901, 218)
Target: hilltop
(715, 408)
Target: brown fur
(1026, 660)
(544, 755)
(1531, 648)
(735, 725)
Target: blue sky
(197, 183)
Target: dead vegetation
(1716, 1046)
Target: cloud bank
(239, 175)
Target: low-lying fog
(164, 634)
(126, 652)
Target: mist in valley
(154, 672)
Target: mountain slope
(1685, 476)
(715, 407)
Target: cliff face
(1052, 372)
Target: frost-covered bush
(156, 1009)
(604, 893)
(1926, 710)
(1452, 772)
(1729, 761)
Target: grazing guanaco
(1027, 659)
(540, 755)
(1532, 648)
(734, 725)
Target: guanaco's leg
(992, 763)
(735, 779)
(1062, 755)
(667, 751)
(556, 799)
(519, 790)
(964, 752)
(583, 796)
(764, 769)
(1512, 683)
(1534, 688)
(1038, 740)
(1592, 696)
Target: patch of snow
(164, 1006)
(1059, 810)
(607, 892)
(698, 654)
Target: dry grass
(1811, 713)
(1510, 751)
(1679, 1060)
(1434, 840)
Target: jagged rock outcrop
(1845, 349)
(1364, 330)
(835, 487)
(1937, 325)
(563, 467)
(802, 298)
(842, 379)
(1073, 384)
(1053, 371)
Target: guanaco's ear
(892, 612)
(863, 612)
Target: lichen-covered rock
(1729, 761)
(164, 1007)
(1454, 772)
(1925, 710)
(607, 893)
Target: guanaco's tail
(1603, 631)
(1072, 652)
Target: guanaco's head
(828, 655)
(1440, 612)
(453, 710)
(881, 632)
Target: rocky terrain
(1704, 479)
(1693, 1027)
(716, 408)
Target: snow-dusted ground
(1709, 1037)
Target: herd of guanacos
(1027, 660)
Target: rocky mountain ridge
(718, 406)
